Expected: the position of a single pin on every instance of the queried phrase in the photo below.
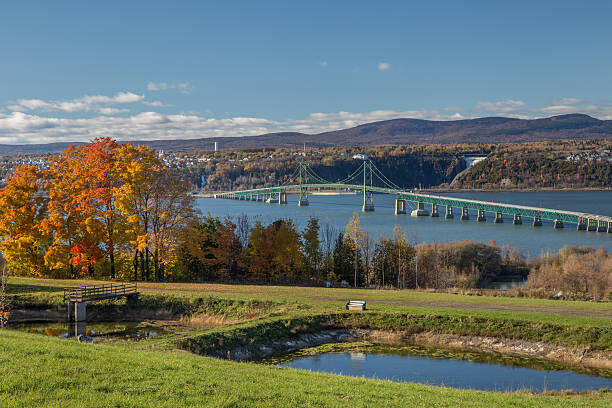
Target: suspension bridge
(369, 180)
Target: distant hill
(396, 131)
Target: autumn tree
(139, 170)
(23, 207)
(83, 217)
(275, 252)
(359, 242)
(172, 207)
(313, 256)
(209, 249)
(156, 203)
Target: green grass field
(44, 371)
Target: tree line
(232, 250)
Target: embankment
(262, 338)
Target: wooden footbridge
(369, 180)
(77, 296)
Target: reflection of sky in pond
(448, 372)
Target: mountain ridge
(494, 129)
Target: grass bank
(165, 371)
(41, 371)
(223, 340)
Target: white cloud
(499, 107)
(183, 87)
(111, 111)
(518, 109)
(19, 127)
(323, 64)
(26, 127)
(159, 86)
(84, 104)
(383, 66)
(157, 104)
(567, 101)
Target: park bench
(356, 305)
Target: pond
(473, 373)
(133, 331)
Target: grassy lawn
(597, 314)
(42, 371)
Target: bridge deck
(494, 207)
(99, 292)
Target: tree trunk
(146, 260)
(135, 264)
(142, 266)
(156, 264)
(112, 264)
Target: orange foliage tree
(23, 208)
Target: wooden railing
(99, 292)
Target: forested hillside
(575, 164)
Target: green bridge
(304, 182)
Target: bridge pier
(465, 214)
(400, 206)
(601, 227)
(499, 219)
(557, 224)
(303, 199)
(420, 211)
(481, 216)
(537, 222)
(582, 226)
(449, 212)
(609, 227)
(282, 197)
(368, 201)
(434, 211)
(77, 312)
(591, 226)
(517, 220)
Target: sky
(138, 70)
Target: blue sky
(74, 70)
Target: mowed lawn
(42, 371)
(597, 314)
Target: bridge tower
(368, 195)
(303, 199)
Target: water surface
(464, 374)
(337, 210)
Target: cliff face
(406, 171)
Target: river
(338, 209)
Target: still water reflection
(448, 372)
